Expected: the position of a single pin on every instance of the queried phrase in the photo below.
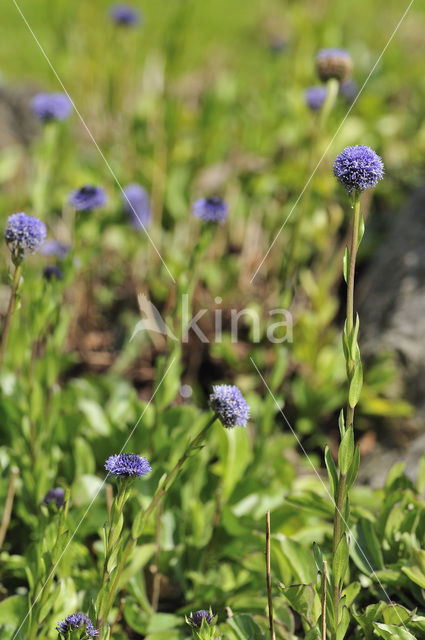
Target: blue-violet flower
(358, 168)
(229, 405)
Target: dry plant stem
(10, 309)
(269, 580)
(9, 504)
(170, 477)
(324, 588)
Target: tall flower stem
(162, 490)
(352, 356)
(350, 291)
(10, 310)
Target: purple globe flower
(195, 619)
(333, 63)
(229, 405)
(23, 234)
(77, 621)
(127, 464)
(51, 106)
(52, 272)
(212, 209)
(349, 90)
(136, 203)
(358, 168)
(88, 197)
(125, 15)
(54, 248)
(57, 495)
(315, 97)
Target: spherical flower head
(127, 465)
(88, 197)
(51, 106)
(315, 97)
(54, 248)
(137, 205)
(124, 15)
(333, 63)
(52, 272)
(349, 90)
(211, 209)
(56, 495)
(77, 621)
(229, 405)
(23, 234)
(358, 168)
(195, 619)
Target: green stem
(332, 87)
(350, 291)
(10, 309)
(173, 473)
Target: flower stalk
(10, 310)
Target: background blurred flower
(211, 209)
(51, 272)
(127, 464)
(349, 90)
(54, 248)
(125, 15)
(57, 495)
(88, 197)
(229, 405)
(358, 168)
(51, 106)
(24, 234)
(315, 97)
(333, 63)
(137, 205)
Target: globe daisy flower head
(333, 63)
(124, 15)
(24, 234)
(88, 197)
(51, 106)
(229, 405)
(315, 97)
(77, 621)
(136, 202)
(195, 619)
(211, 209)
(127, 465)
(52, 272)
(56, 495)
(358, 168)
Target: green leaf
(346, 451)
(361, 231)
(332, 471)
(391, 631)
(341, 423)
(356, 384)
(244, 627)
(346, 264)
(396, 614)
(304, 600)
(365, 548)
(343, 623)
(340, 560)
(354, 469)
(355, 333)
(138, 524)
